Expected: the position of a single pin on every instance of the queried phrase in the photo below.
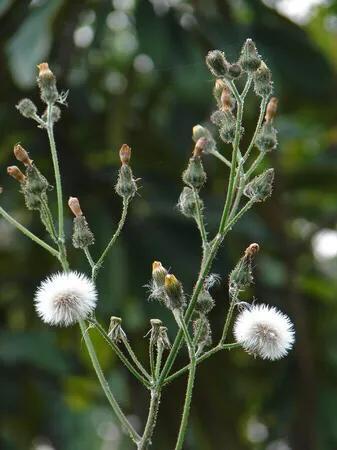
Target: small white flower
(264, 331)
(65, 298)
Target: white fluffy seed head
(264, 331)
(65, 298)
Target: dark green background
(48, 391)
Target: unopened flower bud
(234, 71)
(16, 173)
(249, 59)
(55, 114)
(187, 202)
(219, 86)
(266, 140)
(22, 155)
(199, 132)
(82, 235)
(199, 147)
(226, 122)
(217, 63)
(174, 292)
(125, 154)
(34, 190)
(47, 84)
(75, 206)
(252, 249)
(158, 273)
(205, 302)
(271, 109)
(260, 187)
(226, 100)
(202, 332)
(126, 185)
(194, 175)
(27, 108)
(263, 85)
(116, 332)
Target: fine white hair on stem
(65, 298)
(264, 331)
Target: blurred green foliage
(136, 74)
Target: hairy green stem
(229, 317)
(105, 386)
(200, 220)
(151, 420)
(119, 353)
(28, 233)
(221, 157)
(121, 223)
(201, 358)
(134, 358)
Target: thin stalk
(201, 358)
(231, 182)
(187, 404)
(121, 223)
(105, 386)
(49, 220)
(28, 233)
(134, 358)
(221, 157)
(229, 317)
(50, 131)
(263, 105)
(200, 220)
(118, 352)
(89, 257)
(151, 420)
(255, 164)
(160, 350)
(151, 357)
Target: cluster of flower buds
(195, 176)
(187, 202)
(82, 235)
(158, 334)
(261, 187)
(116, 332)
(33, 184)
(126, 185)
(47, 83)
(220, 67)
(266, 140)
(241, 276)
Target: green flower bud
(82, 235)
(267, 138)
(226, 122)
(234, 71)
(249, 59)
(202, 331)
(187, 204)
(205, 302)
(27, 108)
(217, 63)
(241, 276)
(126, 185)
(35, 187)
(263, 85)
(55, 114)
(47, 84)
(174, 293)
(260, 187)
(194, 175)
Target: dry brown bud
(16, 173)
(226, 99)
(271, 109)
(125, 154)
(199, 146)
(75, 206)
(22, 155)
(44, 71)
(252, 250)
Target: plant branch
(29, 234)
(105, 386)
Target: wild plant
(69, 297)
